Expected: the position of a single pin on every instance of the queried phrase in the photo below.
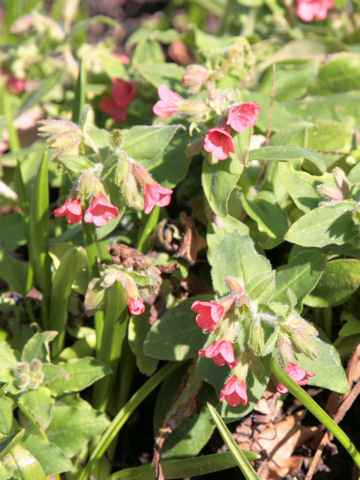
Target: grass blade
(237, 453)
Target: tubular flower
(123, 58)
(100, 211)
(234, 392)
(219, 142)
(136, 306)
(208, 314)
(243, 116)
(72, 211)
(307, 10)
(299, 375)
(122, 94)
(15, 85)
(221, 352)
(155, 194)
(166, 106)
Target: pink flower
(72, 211)
(108, 105)
(219, 142)
(208, 314)
(297, 374)
(221, 352)
(307, 10)
(243, 116)
(15, 85)
(166, 106)
(122, 94)
(123, 58)
(136, 306)
(155, 194)
(100, 211)
(234, 392)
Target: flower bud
(192, 108)
(116, 139)
(130, 188)
(330, 192)
(356, 214)
(304, 344)
(22, 381)
(63, 136)
(341, 180)
(88, 186)
(227, 302)
(195, 147)
(195, 77)
(34, 383)
(22, 367)
(285, 350)
(36, 365)
(236, 285)
(256, 340)
(38, 376)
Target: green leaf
(243, 463)
(80, 89)
(147, 51)
(113, 67)
(302, 186)
(138, 329)
(168, 73)
(75, 163)
(218, 182)
(52, 459)
(329, 372)
(72, 428)
(340, 73)
(176, 336)
(237, 257)
(289, 152)
(80, 374)
(6, 415)
(39, 404)
(218, 230)
(8, 442)
(269, 217)
(7, 362)
(38, 347)
(323, 226)
(301, 275)
(340, 280)
(145, 143)
(13, 270)
(72, 263)
(12, 233)
(184, 467)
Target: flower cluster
(218, 140)
(122, 94)
(307, 10)
(28, 376)
(237, 346)
(99, 212)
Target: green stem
(124, 413)
(316, 410)
(13, 135)
(327, 321)
(225, 18)
(151, 222)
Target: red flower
(221, 352)
(166, 106)
(72, 211)
(219, 142)
(100, 211)
(307, 10)
(136, 306)
(299, 375)
(108, 105)
(15, 85)
(208, 314)
(155, 194)
(243, 116)
(122, 94)
(234, 392)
